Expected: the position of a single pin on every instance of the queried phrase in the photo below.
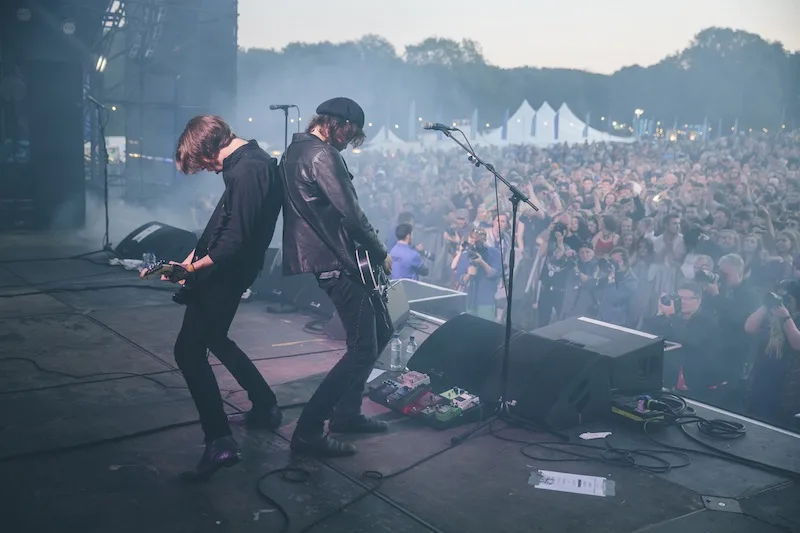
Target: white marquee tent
(529, 126)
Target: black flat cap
(342, 108)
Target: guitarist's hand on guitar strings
(180, 272)
(387, 264)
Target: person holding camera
(775, 378)
(407, 260)
(680, 318)
(558, 264)
(731, 299)
(478, 268)
(579, 294)
(616, 289)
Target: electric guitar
(176, 273)
(372, 276)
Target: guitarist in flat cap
(324, 232)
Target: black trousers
(368, 328)
(205, 327)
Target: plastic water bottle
(411, 347)
(396, 361)
(149, 259)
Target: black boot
(318, 445)
(357, 424)
(263, 417)
(219, 453)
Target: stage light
(23, 14)
(370, 124)
(113, 108)
(250, 119)
(68, 27)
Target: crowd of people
(697, 241)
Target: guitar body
(375, 279)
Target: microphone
(437, 127)
(281, 106)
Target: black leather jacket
(321, 211)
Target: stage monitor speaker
(555, 385)
(399, 310)
(312, 298)
(550, 383)
(168, 243)
(461, 352)
(637, 358)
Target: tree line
(722, 74)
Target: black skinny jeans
(368, 329)
(206, 322)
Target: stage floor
(96, 427)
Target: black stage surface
(88, 379)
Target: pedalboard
(411, 394)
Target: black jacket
(321, 211)
(240, 229)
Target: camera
(475, 251)
(427, 255)
(774, 299)
(704, 276)
(672, 300)
(605, 266)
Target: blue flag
(719, 129)
(504, 132)
(555, 127)
(533, 125)
(586, 123)
(412, 121)
(651, 127)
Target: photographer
(407, 260)
(478, 268)
(616, 289)
(695, 366)
(579, 294)
(732, 301)
(775, 384)
(559, 262)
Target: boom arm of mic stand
(516, 197)
(515, 192)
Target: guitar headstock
(162, 268)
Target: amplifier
(637, 358)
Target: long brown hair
(200, 143)
(338, 130)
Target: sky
(596, 35)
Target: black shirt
(240, 229)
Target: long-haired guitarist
(226, 261)
(323, 229)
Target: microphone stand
(285, 129)
(516, 197)
(107, 247)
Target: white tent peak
(546, 108)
